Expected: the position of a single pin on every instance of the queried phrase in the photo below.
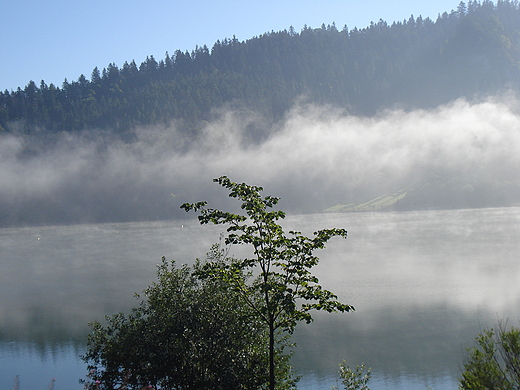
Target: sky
(56, 39)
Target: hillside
(416, 63)
(408, 115)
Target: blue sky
(57, 39)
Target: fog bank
(316, 158)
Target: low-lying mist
(315, 158)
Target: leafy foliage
(354, 379)
(187, 334)
(494, 362)
(284, 291)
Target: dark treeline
(416, 63)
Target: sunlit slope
(383, 202)
(442, 193)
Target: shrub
(494, 362)
(187, 333)
(354, 379)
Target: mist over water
(315, 158)
(421, 294)
(424, 284)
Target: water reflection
(37, 364)
(423, 284)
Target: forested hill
(415, 63)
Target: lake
(423, 285)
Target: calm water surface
(423, 283)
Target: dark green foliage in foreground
(418, 63)
(188, 333)
(494, 362)
(284, 291)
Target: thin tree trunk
(271, 355)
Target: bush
(494, 362)
(188, 333)
(354, 379)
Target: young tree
(494, 362)
(354, 379)
(282, 263)
(187, 334)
